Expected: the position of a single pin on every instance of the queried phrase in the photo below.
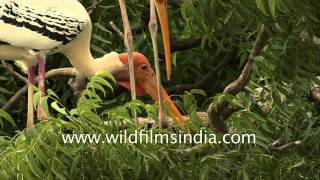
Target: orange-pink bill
(161, 6)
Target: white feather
(20, 64)
(23, 37)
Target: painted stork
(32, 29)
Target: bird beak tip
(150, 87)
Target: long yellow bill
(161, 6)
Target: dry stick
(117, 30)
(153, 27)
(92, 7)
(273, 146)
(128, 42)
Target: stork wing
(40, 29)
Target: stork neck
(79, 55)
(88, 66)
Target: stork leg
(41, 115)
(153, 27)
(30, 115)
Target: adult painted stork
(32, 29)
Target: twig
(153, 27)
(14, 73)
(181, 45)
(50, 74)
(117, 30)
(128, 42)
(219, 112)
(93, 6)
(273, 146)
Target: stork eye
(144, 67)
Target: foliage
(274, 105)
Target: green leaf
(228, 16)
(272, 7)
(198, 91)
(298, 164)
(7, 117)
(56, 107)
(99, 38)
(261, 6)
(5, 91)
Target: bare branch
(238, 85)
(273, 146)
(50, 74)
(94, 5)
(185, 44)
(14, 73)
(219, 112)
(117, 29)
(128, 41)
(153, 27)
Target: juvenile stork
(32, 29)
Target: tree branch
(273, 146)
(153, 28)
(116, 29)
(185, 44)
(14, 73)
(128, 42)
(219, 112)
(50, 74)
(95, 5)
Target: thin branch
(219, 112)
(114, 27)
(273, 146)
(153, 27)
(128, 41)
(181, 45)
(238, 85)
(94, 5)
(14, 73)
(50, 74)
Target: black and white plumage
(44, 26)
(31, 29)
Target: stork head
(146, 82)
